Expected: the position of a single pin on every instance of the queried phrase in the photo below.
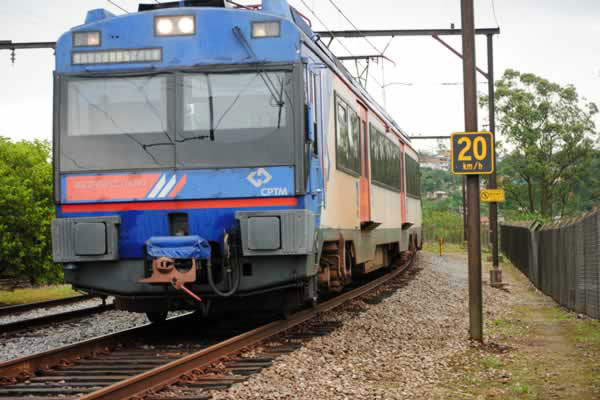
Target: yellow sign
(492, 196)
(472, 153)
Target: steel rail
(29, 365)
(53, 318)
(170, 373)
(10, 310)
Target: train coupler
(174, 261)
(164, 270)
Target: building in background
(439, 161)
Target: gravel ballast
(396, 349)
(42, 312)
(47, 338)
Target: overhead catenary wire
(332, 35)
(339, 10)
(494, 11)
(118, 6)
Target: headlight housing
(180, 25)
(266, 29)
(86, 39)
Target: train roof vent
(186, 3)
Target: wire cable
(118, 6)
(333, 36)
(339, 10)
(494, 11)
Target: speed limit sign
(472, 153)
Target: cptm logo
(261, 177)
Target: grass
(491, 362)
(26, 296)
(523, 389)
(587, 333)
(546, 352)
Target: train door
(316, 180)
(403, 183)
(365, 179)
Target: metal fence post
(580, 291)
(595, 270)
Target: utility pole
(464, 207)
(496, 273)
(473, 216)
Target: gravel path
(42, 312)
(396, 349)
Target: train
(213, 156)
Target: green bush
(443, 224)
(442, 219)
(26, 211)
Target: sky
(555, 39)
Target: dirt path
(534, 350)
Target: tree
(26, 211)
(551, 132)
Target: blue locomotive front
(183, 167)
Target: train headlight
(266, 29)
(86, 39)
(164, 26)
(187, 25)
(182, 25)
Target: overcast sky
(556, 39)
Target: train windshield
(187, 120)
(241, 116)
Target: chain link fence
(562, 259)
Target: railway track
(120, 366)
(21, 308)
(50, 319)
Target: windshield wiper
(199, 137)
(267, 80)
(281, 103)
(152, 106)
(211, 108)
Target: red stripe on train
(109, 187)
(180, 205)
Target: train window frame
(286, 133)
(61, 130)
(293, 157)
(316, 77)
(386, 158)
(413, 177)
(353, 171)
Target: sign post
(472, 154)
